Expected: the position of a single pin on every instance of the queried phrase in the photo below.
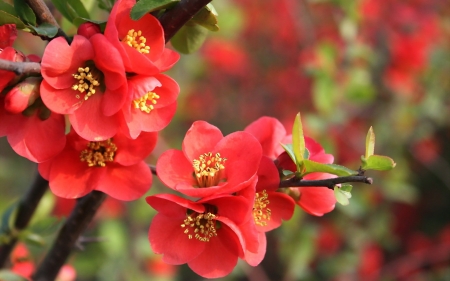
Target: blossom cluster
(230, 196)
(93, 116)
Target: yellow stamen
(136, 40)
(208, 169)
(146, 102)
(261, 214)
(86, 83)
(98, 153)
(200, 226)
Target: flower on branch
(114, 166)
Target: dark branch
(25, 210)
(20, 67)
(68, 236)
(172, 20)
(153, 169)
(44, 15)
(329, 183)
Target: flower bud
(22, 95)
(88, 29)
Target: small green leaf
(6, 18)
(347, 190)
(7, 275)
(79, 21)
(147, 6)
(298, 142)
(207, 17)
(33, 239)
(289, 150)
(79, 8)
(377, 162)
(189, 38)
(67, 11)
(46, 226)
(341, 197)
(25, 12)
(8, 218)
(341, 171)
(9, 9)
(370, 142)
(45, 29)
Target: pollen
(261, 213)
(208, 169)
(134, 39)
(86, 83)
(200, 226)
(98, 153)
(146, 102)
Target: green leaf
(8, 218)
(298, 142)
(6, 18)
(9, 9)
(341, 197)
(71, 9)
(341, 171)
(289, 150)
(189, 38)
(34, 239)
(147, 6)
(347, 190)
(207, 17)
(370, 142)
(46, 226)
(79, 8)
(25, 12)
(7, 275)
(377, 162)
(79, 21)
(45, 29)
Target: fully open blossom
(151, 103)
(115, 166)
(141, 43)
(36, 134)
(209, 235)
(85, 80)
(210, 164)
(270, 133)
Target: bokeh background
(346, 66)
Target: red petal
(282, 208)
(254, 259)
(317, 200)
(172, 205)
(130, 152)
(269, 132)
(154, 121)
(62, 101)
(125, 182)
(166, 237)
(268, 177)
(201, 138)
(167, 59)
(173, 168)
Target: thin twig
(25, 210)
(172, 20)
(44, 15)
(329, 183)
(77, 222)
(20, 67)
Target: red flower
(85, 80)
(36, 134)
(141, 43)
(209, 235)
(114, 166)
(270, 133)
(209, 163)
(152, 103)
(8, 34)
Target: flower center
(200, 226)
(146, 102)
(86, 83)
(136, 40)
(98, 153)
(261, 214)
(208, 169)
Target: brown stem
(172, 20)
(77, 222)
(44, 15)
(329, 183)
(25, 211)
(20, 67)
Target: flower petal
(173, 168)
(317, 200)
(201, 138)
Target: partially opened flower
(151, 103)
(209, 235)
(115, 166)
(210, 164)
(85, 80)
(141, 43)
